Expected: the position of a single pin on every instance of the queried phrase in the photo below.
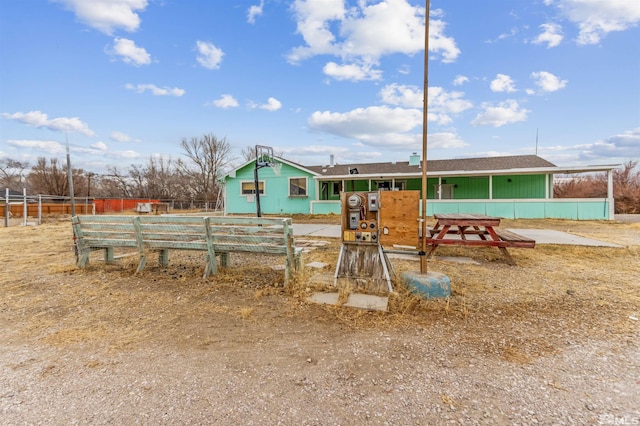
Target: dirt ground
(553, 340)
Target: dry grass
(555, 295)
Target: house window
(387, 185)
(443, 192)
(249, 187)
(337, 187)
(298, 187)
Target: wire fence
(32, 209)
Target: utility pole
(423, 248)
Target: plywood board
(399, 218)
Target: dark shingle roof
(462, 164)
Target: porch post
(610, 198)
(547, 194)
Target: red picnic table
(474, 230)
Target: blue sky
(123, 80)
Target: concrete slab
(324, 298)
(317, 265)
(317, 230)
(542, 236)
(550, 236)
(368, 302)
(355, 300)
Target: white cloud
(351, 72)
(315, 150)
(127, 154)
(625, 145)
(438, 42)
(503, 83)
(445, 140)
(255, 10)
(551, 35)
(313, 24)
(621, 147)
(402, 95)
(100, 146)
(272, 105)
(225, 101)
(547, 82)
(122, 137)
(107, 15)
(497, 116)
(511, 33)
(442, 104)
(404, 69)
(61, 124)
(129, 53)
(373, 126)
(155, 90)
(597, 18)
(460, 80)
(50, 147)
(366, 32)
(209, 56)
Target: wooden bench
(217, 236)
(515, 240)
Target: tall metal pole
(73, 201)
(70, 176)
(256, 184)
(423, 248)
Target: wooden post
(423, 248)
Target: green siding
(526, 210)
(500, 209)
(416, 184)
(564, 210)
(478, 208)
(593, 210)
(514, 209)
(522, 197)
(324, 207)
(276, 199)
(519, 186)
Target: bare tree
(248, 153)
(626, 188)
(156, 179)
(12, 173)
(162, 176)
(115, 184)
(208, 156)
(51, 178)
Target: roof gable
(251, 163)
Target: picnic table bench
(216, 236)
(474, 230)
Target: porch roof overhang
(473, 173)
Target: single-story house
(519, 186)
